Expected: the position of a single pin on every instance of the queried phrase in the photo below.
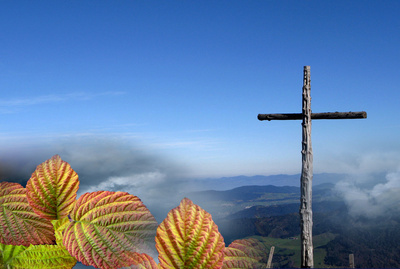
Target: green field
(287, 251)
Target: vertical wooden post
(351, 260)
(307, 260)
(271, 254)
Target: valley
(270, 213)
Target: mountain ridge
(279, 180)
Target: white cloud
(379, 200)
(135, 184)
(9, 105)
(360, 163)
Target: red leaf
(52, 188)
(189, 238)
(19, 225)
(107, 224)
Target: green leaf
(245, 253)
(105, 225)
(52, 188)
(189, 238)
(36, 257)
(19, 225)
(8, 252)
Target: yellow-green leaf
(19, 225)
(189, 238)
(245, 253)
(36, 257)
(59, 227)
(107, 224)
(52, 188)
(8, 252)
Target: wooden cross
(307, 260)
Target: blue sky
(185, 80)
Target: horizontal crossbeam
(315, 116)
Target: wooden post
(307, 260)
(351, 260)
(271, 254)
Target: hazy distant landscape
(267, 209)
(270, 213)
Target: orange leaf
(105, 225)
(19, 225)
(141, 261)
(52, 188)
(245, 253)
(189, 238)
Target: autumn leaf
(141, 261)
(107, 224)
(19, 224)
(245, 253)
(189, 238)
(52, 189)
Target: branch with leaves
(45, 226)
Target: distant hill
(260, 200)
(283, 209)
(228, 183)
(244, 193)
(271, 214)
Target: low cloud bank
(116, 164)
(102, 163)
(372, 196)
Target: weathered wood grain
(315, 116)
(307, 259)
(306, 223)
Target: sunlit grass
(290, 249)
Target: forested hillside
(272, 213)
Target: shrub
(44, 226)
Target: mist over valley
(352, 213)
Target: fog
(371, 196)
(103, 163)
(115, 164)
